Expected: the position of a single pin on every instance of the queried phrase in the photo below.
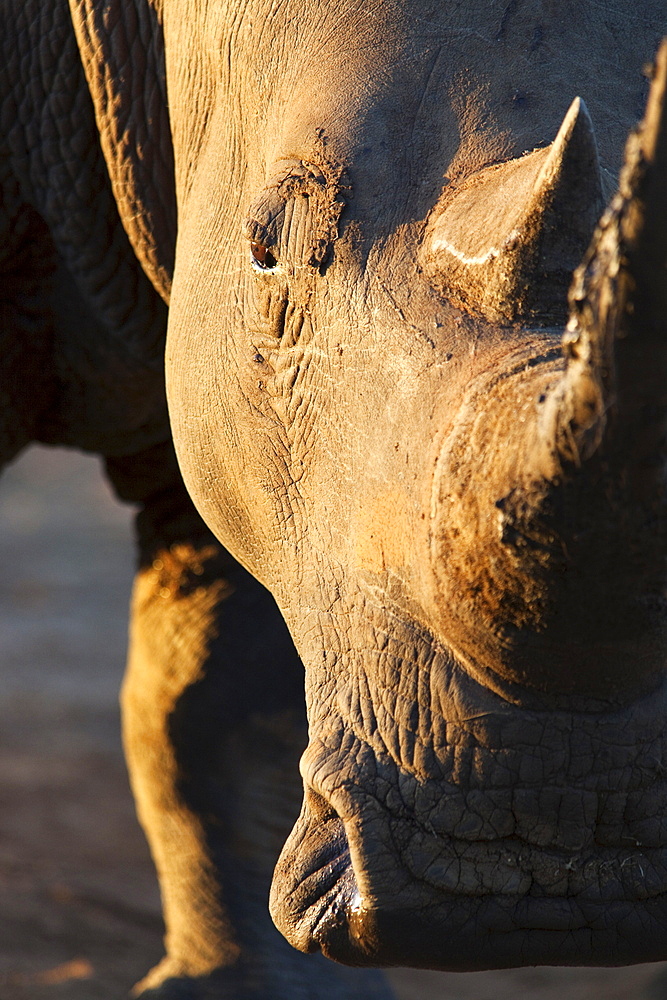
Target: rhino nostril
(320, 810)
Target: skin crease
(477, 792)
(408, 380)
(213, 715)
(314, 446)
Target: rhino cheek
(223, 460)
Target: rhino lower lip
(462, 933)
(531, 835)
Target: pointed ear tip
(571, 117)
(575, 137)
(579, 108)
(582, 109)
(656, 70)
(653, 123)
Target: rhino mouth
(575, 880)
(620, 918)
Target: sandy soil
(79, 911)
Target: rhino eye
(262, 257)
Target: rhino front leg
(214, 724)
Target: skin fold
(427, 486)
(403, 482)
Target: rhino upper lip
(317, 879)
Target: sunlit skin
(398, 459)
(414, 394)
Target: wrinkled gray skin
(466, 549)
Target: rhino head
(450, 476)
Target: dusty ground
(79, 916)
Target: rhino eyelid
(262, 258)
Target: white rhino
(365, 218)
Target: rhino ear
(505, 241)
(122, 52)
(616, 340)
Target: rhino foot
(298, 977)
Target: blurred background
(79, 907)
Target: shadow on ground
(79, 907)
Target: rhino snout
(519, 836)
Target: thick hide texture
(374, 411)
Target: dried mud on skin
(79, 907)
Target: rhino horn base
(505, 242)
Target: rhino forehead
(459, 86)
